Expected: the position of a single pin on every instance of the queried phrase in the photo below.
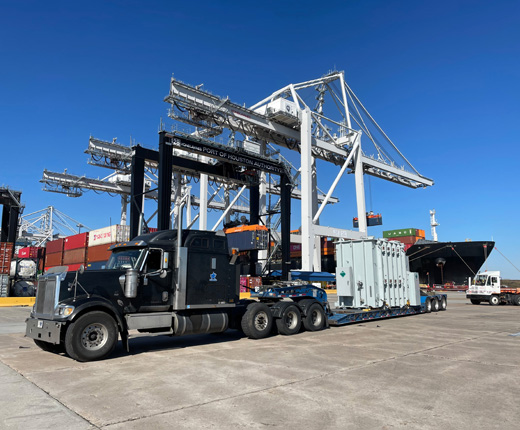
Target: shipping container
(98, 253)
(6, 253)
(29, 252)
(75, 256)
(53, 259)
(54, 246)
(109, 235)
(74, 242)
(248, 238)
(407, 240)
(401, 232)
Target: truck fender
(278, 308)
(82, 306)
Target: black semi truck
(172, 282)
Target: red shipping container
(76, 241)
(54, 246)
(54, 259)
(6, 252)
(29, 252)
(407, 240)
(75, 256)
(98, 253)
(73, 267)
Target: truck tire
(475, 301)
(92, 336)
(257, 321)
(443, 304)
(516, 300)
(49, 347)
(435, 305)
(290, 321)
(314, 318)
(427, 306)
(493, 300)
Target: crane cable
(507, 259)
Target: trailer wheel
(493, 300)
(475, 301)
(49, 347)
(257, 321)
(516, 300)
(427, 306)
(444, 304)
(290, 321)
(92, 337)
(435, 305)
(314, 319)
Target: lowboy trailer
(187, 282)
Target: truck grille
(46, 296)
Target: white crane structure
(433, 224)
(47, 224)
(286, 119)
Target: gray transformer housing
(374, 273)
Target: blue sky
(441, 78)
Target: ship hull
(440, 263)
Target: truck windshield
(480, 280)
(124, 259)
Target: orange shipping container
(53, 259)
(98, 253)
(74, 256)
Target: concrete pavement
(456, 370)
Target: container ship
(441, 263)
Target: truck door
(154, 293)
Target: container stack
(54, 253)
(6, 252)
(250, 283)
(75, 251)
(100, 241)
(408, 236)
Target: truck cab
(485, 287)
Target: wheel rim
(261, 321)
(316, 318)
(94, 337)
(291, 320)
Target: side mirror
(131, 281)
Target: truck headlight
(65, 311)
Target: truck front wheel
(92, 336)
(493, 300)
(257, 321)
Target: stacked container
(100, 241)
(54, 253)
(408, 236)
(75, 251)
(6, 252)
(250, 283)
